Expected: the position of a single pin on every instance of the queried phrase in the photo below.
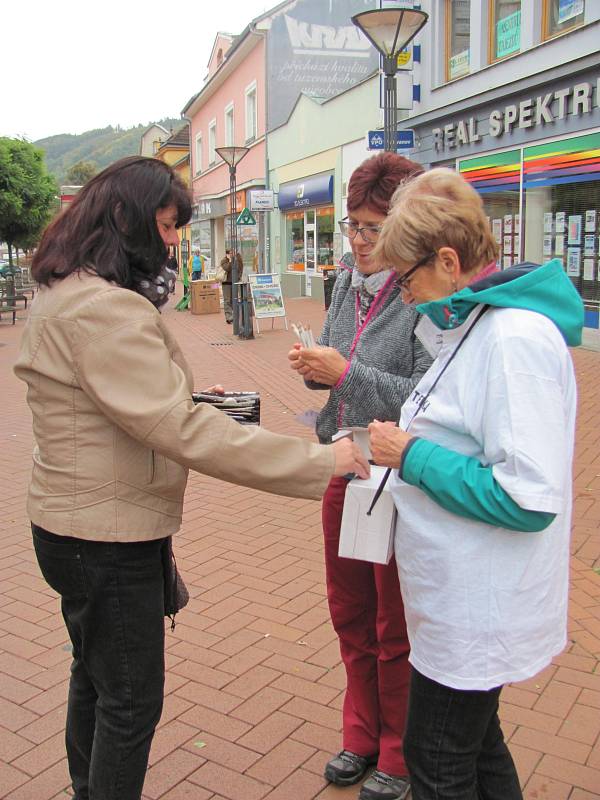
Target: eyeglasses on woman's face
(369, 233)
(403, 281)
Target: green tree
(27, 193)
(81, 172)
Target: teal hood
(546, 290)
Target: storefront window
(497, 179)
(505, 28)
(324, 238)
(202, 239)
(458, 19)
(310, 239)
(562, 210)
(247, 244)
(561, 16)
(295, 234)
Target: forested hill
(103, 146)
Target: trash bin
(329, 276)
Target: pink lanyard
(380, 298)
(378, 301)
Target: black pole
(390, 113)
(234, 250)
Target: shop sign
(314, 49)
(209, 209)
(313, 191)
(405, 140)
(545, 109)
(508, 35)
(261, 200)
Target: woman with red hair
(369, 361)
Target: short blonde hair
(436, 209)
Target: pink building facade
(228, 110)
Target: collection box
(368, 538)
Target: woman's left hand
(325, 364)
(387, 443)
(217, 389)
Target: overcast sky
(68, 66)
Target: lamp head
(231, 155)
(390, 29)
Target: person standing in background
(226, 265)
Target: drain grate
(220, 344)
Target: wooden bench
(8, 309)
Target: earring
(454, 286)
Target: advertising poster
(573, 262)
(559, 225)
(547, 246)
(559, 245)
(314, 49)
(590, 221)
(517, 244)
(589, 244)
(266, 295)
(507, 248)
(506, 262)
(588, 269)
(548, 222)
(575, 229)
(508, 223)
(497, 230)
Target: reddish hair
(374, 182)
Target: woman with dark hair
(116, 431)
(368, 360)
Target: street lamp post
(390, 30)
(232, 156)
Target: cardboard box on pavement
(205, 297)
(368, 538)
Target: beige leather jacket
(116, 429)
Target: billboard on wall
(313, 48)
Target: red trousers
(368, 616)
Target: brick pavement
(254, 684)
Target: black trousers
(112, 601)
(454, 746)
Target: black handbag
(175, 591)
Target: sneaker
(381, 786)
(347, 768)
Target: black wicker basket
(243, 407)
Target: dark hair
(110, 228)
(374, 182)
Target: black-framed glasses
(403, 281)
(369, 233)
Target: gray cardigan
(388, 361)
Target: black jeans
(112, 601)
(454, 746)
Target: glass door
(309, 250)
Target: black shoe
(381, 786)
(229, 321)
(347, 768)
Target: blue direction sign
(405, 140)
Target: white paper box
(363, 537)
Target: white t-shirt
(485, 605)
